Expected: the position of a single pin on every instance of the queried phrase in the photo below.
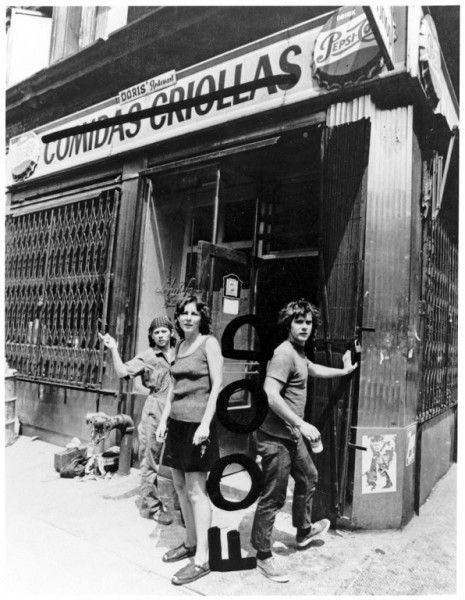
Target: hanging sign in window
(232, 287)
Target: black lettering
(264, 67)
(99, 141)
(234, 562)
(90, 139)
(222, 101)
(76, 141)
(214, 479)
(190, 95)
(48, 159)
(290, 67)
(180, 93)
(137, 124)
(63, 153)
(119, 128)
(153, 120)
(208, 105)
(237, 98)
(227, 340)
(258, 395)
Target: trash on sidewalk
(71, 461)
(74, 468)
(79, 460)
(63, 458)
(102, 465)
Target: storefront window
(202, 224)
(293, 223)
(57, 290)
(239, 220)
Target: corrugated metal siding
(383, 398)
(347, 112)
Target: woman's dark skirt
(180, 453)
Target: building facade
(253, 156)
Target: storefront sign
(383, 27)
(147, 87)
(346, 50)
(285, 53)
(430, 61)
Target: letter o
(258, 394)
(62, 153)
(208, 103)
(214, 478)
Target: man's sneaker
(319, 528)
(272, 569)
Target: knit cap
(161, 322)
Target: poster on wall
(379, 464)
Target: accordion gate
(57, 289)
(438, 391)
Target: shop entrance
(252, 213)
(248, 229)
(252, 216)
(267, 209)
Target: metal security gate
(341, 248)
(57, 280)
(439, 311)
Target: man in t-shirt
(280, 437)
(153, 365)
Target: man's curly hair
(295, 309)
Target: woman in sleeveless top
(188, 427)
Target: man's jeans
(281, 458)
(149, 457)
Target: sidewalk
(86, 538)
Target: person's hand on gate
(108, 341)
(347, 362)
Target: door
(341, 254)
(225, 279)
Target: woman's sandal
(190, 573)
(179, 553)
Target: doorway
(286, 218)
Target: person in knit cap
(153, 365)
